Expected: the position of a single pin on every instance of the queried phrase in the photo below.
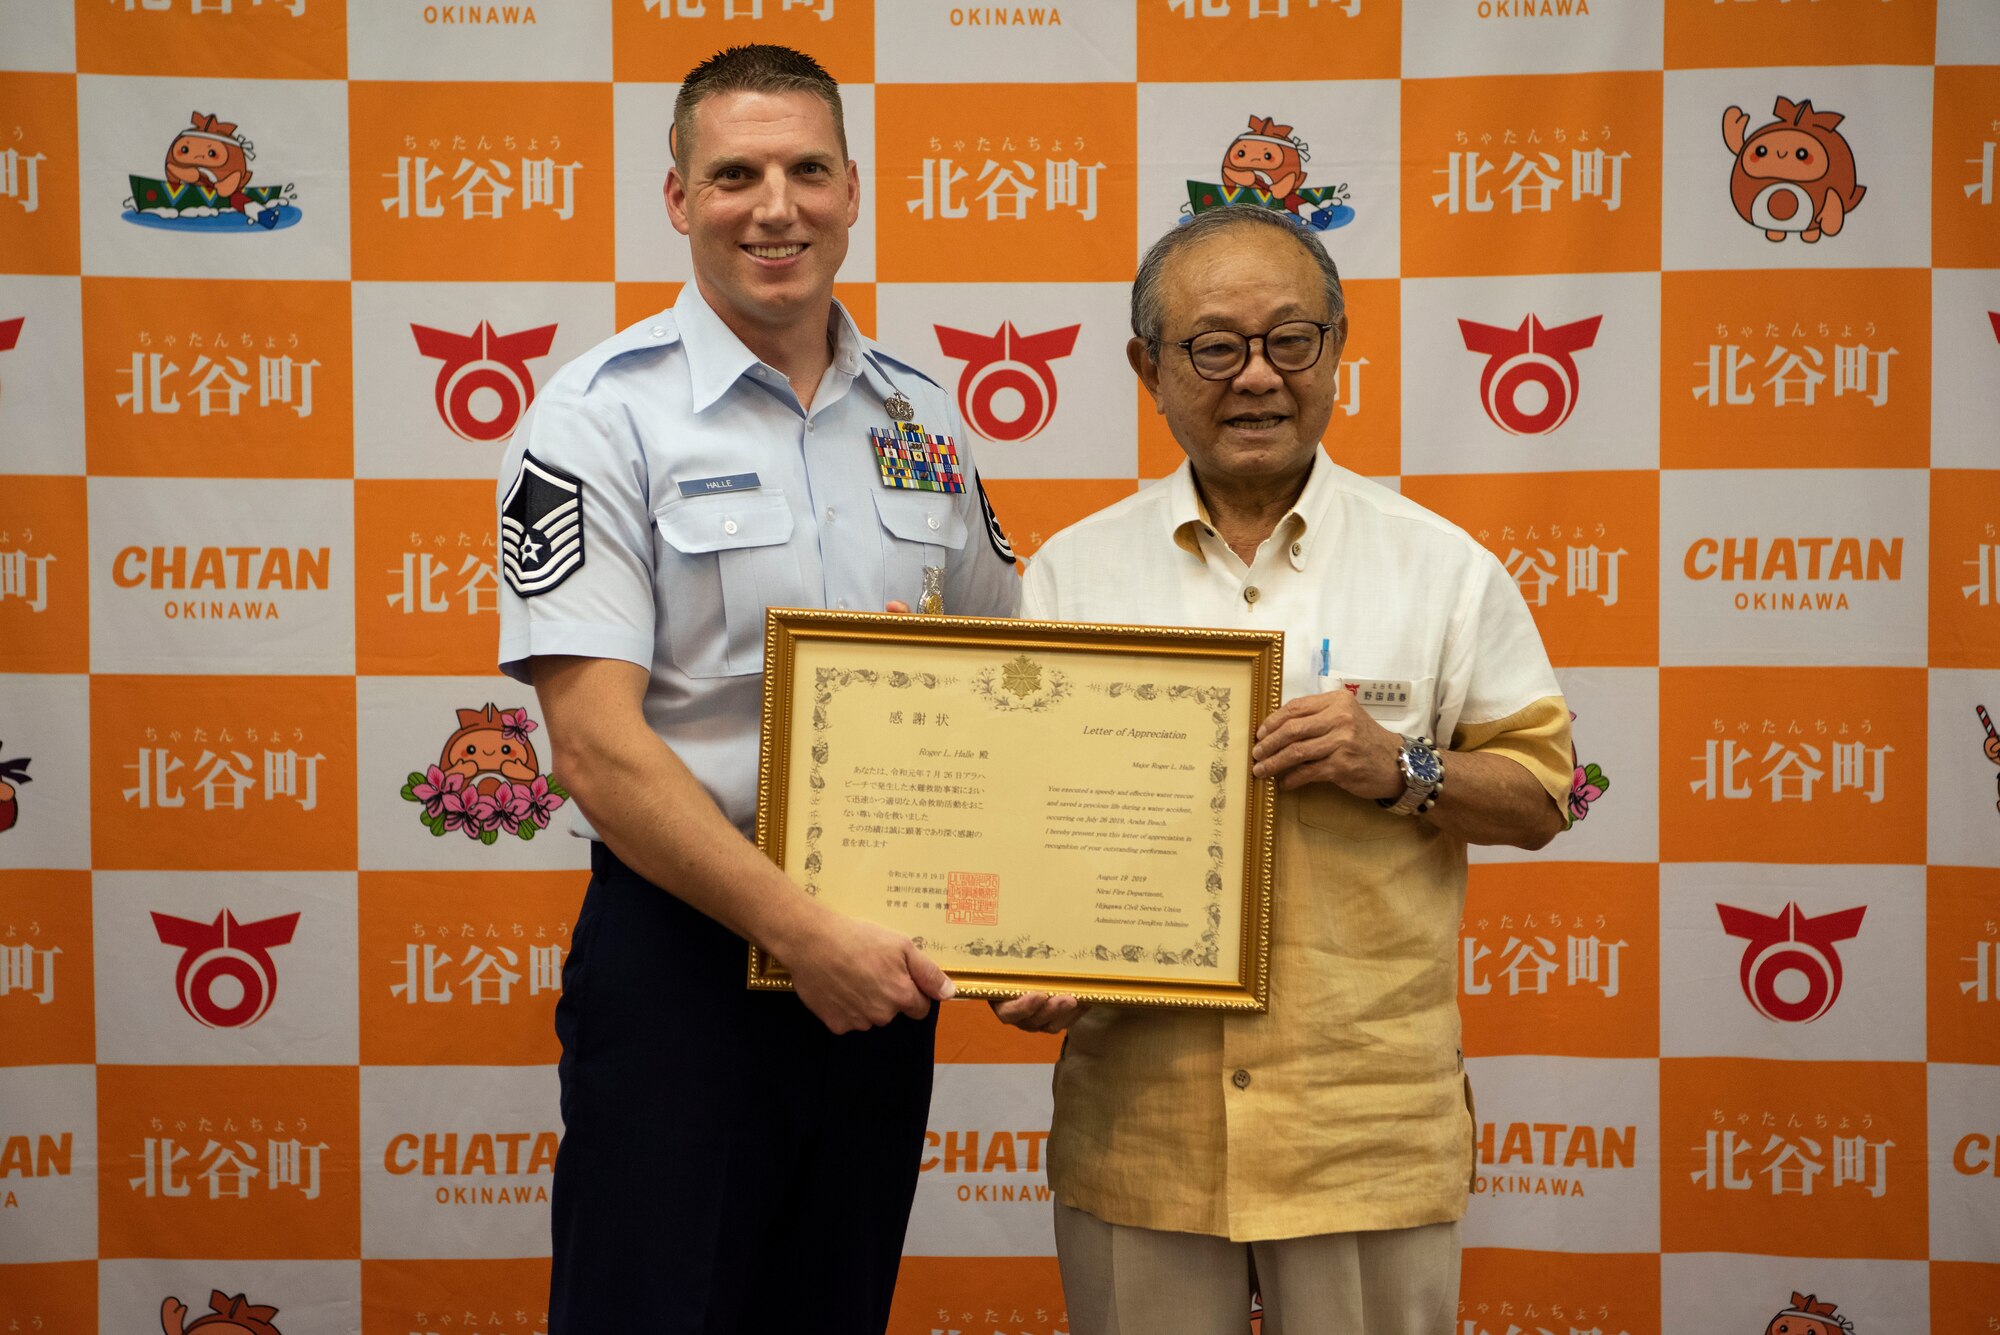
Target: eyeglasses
(1220, 353)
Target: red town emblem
(10, 332)
(226, 949)
(1012, 364)
(484, 359)
(1994, 316)
(1529, 355)
(1791, 943)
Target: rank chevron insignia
(541, 523)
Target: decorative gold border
(1261, 653)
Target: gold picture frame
(1042, 806)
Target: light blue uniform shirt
(707, 494)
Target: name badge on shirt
(913, 459)
(703, 486)
(1387, 696)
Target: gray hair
(752, 69)
(1147, 315)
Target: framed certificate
(1041, 806)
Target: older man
(1331, 1138)
(746, 448)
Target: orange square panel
(1000, 182)
(189, 378)
(48, 1012)
(44, 575)
(244, 773)
(1805, 765)
(250, 1161)
(1755, 1156)
(38, 174)
(481, 181)
(1531, 174)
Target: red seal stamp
(972, 899)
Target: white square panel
(982, 1185)
(1037, 370)
(1965, 368)
(457, 1161)
(1963, 812)
(1346, 132)
(40, 36)
(1702, 1293)
(1786, 566)
(1617, 728)
(1548, 374)
(1965, 1162)
(395, 39)
(189, 575)
(1887, 131)
(443, 371)
(1968, 33)
(922, 41)
(47, 722)
(406, 726)
(41, 374)
(1450, 38)
(1744, 974)
(52, 1206)
(309, 1295)
(226, 968)
(298, 131)
(1569, 1154)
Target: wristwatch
(1423, 774)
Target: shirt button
(1298, 549)
(659, 331)
(931, 520)
(729, 526)
(1241, 1079)
(1250, 594)
(809, 426)
(829, 514)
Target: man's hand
(857, 975)
(1040, 1012)
(1328, 739)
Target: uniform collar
(717, 358)
(1188, 518)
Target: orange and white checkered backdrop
(275, 1020)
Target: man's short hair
(753, 69)
(1147, 300)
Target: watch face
(1425, 767)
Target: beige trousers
(1140, 1281)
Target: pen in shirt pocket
(1325, 665)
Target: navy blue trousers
(726, 1163)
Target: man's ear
(1147, 367)
(675, 193)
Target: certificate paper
(1039, 805)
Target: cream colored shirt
(1344, 1106)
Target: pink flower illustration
(512, 804)
(542, 803)
(464, 809)
(434, 788)
(515, 724)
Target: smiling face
(487, 756)
(1260, 427)
(765, 201)
(1785, 155)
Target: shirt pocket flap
(921, 516)
(698, 524)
